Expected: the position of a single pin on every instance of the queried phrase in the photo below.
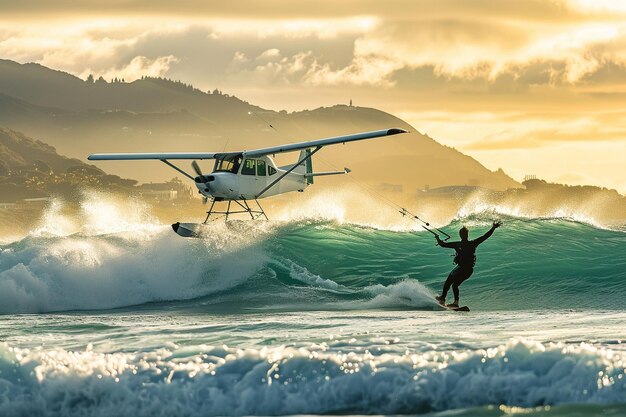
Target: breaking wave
(112, 258)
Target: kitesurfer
(465, 258)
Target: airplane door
(261, 174)
(248, 179)
(253, 178)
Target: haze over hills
(18, 151)
(81, 117)
(32, 169)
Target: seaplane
(246, 176)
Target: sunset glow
(493, 79)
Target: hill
(32, 169)
(80, 117)
(45, 87)
(18, 151)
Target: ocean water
(310, 316)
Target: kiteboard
(462, 308)
(447, 307)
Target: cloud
(271, 68)
(269, 54)
(136, 68)
(453, 38)
(488, 49)
(369, 69)
(283, 9)
(308, 70)
(97, 46)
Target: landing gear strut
(244, 207)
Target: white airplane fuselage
(252, 176)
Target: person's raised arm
(487, 235)
(442, 243)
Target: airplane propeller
(196, 168)
(201, 179)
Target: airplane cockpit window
(271, 170)
(260, 168)
(228, 164)
(249, 167)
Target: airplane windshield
(228, 164)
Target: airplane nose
(201, 179)
(206, 184)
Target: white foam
(526, 210)
(112, 253)
(304, 380)
(42, 274)
(408, 292)
(94, 272)
(302, 274)
(405, 293)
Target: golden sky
(532, 86)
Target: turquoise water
(312, 317)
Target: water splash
(97, 214)
(54, 222)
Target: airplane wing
(158, 156)
(256, 152)
(323, 142)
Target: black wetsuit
(465, 258)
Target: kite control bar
(424, 224)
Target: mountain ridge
(150, 114)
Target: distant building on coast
(174, 189)
(455, 192)
(387, 187)
(35, 203)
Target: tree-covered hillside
(31, 169)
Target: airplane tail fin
(309, 165)
(305, 167)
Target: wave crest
(120, 261)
